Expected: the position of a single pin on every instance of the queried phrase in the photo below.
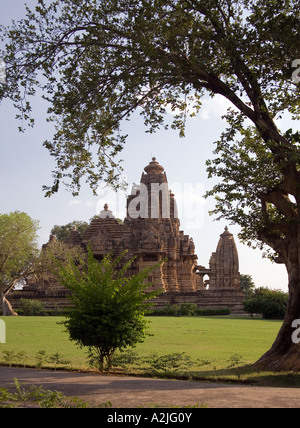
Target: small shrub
(169, 362)
(212, 312)
(31, 307)
(57, 359)
(188, 309)
(41, 358)
(235, 360)
(35, 395)
(21, 358)
(8, 356)
(125, 359)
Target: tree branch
(281, 201)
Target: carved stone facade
(151, 232)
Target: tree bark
(284, 355)
(7, 309)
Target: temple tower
(152, 199)
(153, 220)
(224, 264)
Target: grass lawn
(33, 334)
(213, 339)
(209, 338)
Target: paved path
(133, 392)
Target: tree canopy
(18, 250)
(97, 62)
(63, 232)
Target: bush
(271, 304)
(31, 307)
(109, 308)
(36, 396)
(212, 312)
(126, 358)
(169, 362)
(188, 309)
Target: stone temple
(151, 232)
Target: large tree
(99, 61)
(18, 251)
(254, 192)
(20, 258)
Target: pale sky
(25, 166)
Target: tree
(55, 250)
(255, 192)
(20, 258)
(247, 284)
(101, 61)
(268, 303)
(18, 250)
(62, 232)
(108, 307)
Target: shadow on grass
(248, 375)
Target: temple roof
(226, 233)
(154, 167)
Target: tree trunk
(6, 307)
(284, 354)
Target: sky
(25, 166)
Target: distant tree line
(270, 304)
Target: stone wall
(204, 299)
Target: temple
(151, 233)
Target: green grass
(214, 339)
(33, 334)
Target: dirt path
(133, 392)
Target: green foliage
(235, 360)
(18, 252)
(41, 358)
(62, 232)
(31, 307)
(36, 396)
(176, 362)
(247, 284)
(188, 309)
(169, 362)
(10, 357)
(108, 311)
(126, 358)
(268, 303)
(57, 359)
(102, 61)
(18, 247)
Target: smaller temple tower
(224, 264)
